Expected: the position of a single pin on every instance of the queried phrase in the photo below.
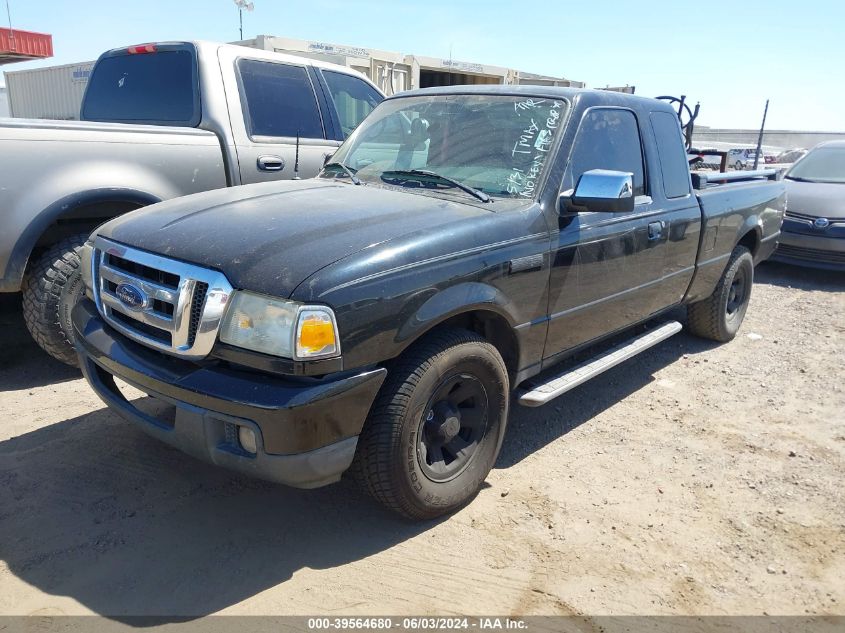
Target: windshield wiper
(431, 174)
(355, 180)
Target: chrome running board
(540, 393)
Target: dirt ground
(695, 479)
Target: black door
(606, 266)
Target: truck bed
(48, 163)
(733, 206)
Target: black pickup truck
(380, 318)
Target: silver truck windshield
(495, 144)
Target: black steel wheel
(720, 315)
(738, 292)
(454, 423)
(437, 425)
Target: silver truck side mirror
(600, 190)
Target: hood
(819, 199)
(269, 237)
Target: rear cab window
(671, 155)
(279, 100)
(158, 85)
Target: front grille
(160, 302)
(158, 334)
(143, 272)
(803, 217)
(811, 254)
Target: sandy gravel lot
(696, 479)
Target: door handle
(268, 162)
(655, 230)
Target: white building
(394, 72)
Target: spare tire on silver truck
(51, 287)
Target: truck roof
(210, 48)
(588, 95)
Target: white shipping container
(4, 102)
(54, 92)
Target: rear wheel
(51, 287)
(437, 425)
(719, 316)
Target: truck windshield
(158, 87)
(496, 144)
(825, 164)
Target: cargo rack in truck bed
(703, 179)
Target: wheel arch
(73, 213)
(750, 238)
(476, 307)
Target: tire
(418, 453)
(52, 285)
(720, 315)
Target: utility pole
(760, 137)
(242, 6)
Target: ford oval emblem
(821, 223)
(131, 296)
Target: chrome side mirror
(600, 190)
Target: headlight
(86, 253)
(279, 327)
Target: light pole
(760, 138)
(242, 6)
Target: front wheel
(719, 316)
(436, 427)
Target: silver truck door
(270, 104)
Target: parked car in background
(158, 121)
(790, 156)
(737, 158)
(384, 316)
(741, 158)
(813, 231)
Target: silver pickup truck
(158, 121)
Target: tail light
(141, 49)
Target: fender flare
(453, 301)
(19, 257)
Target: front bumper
(306, 429)
(816, 251)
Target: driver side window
(608, 138)
(353, 99)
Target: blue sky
(730, 56)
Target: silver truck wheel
(51, 287)
(436, 427)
